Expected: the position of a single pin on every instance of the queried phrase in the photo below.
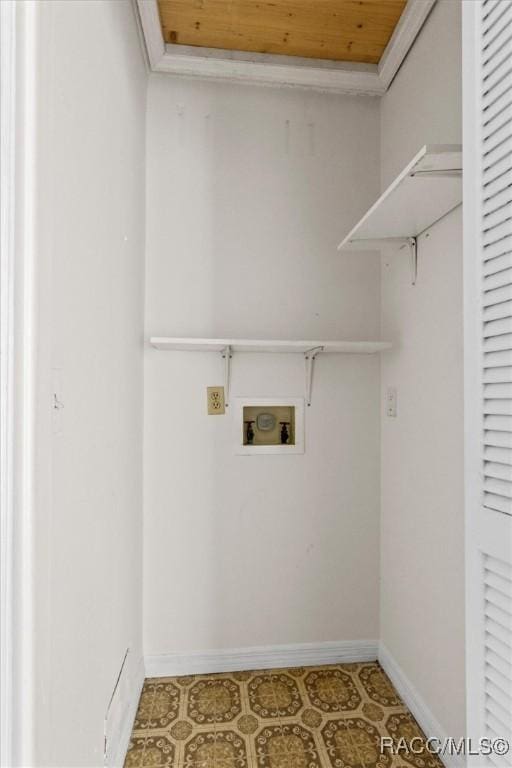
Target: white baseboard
(303, 654)
(260, 657)
(416, 704)
(129, 717)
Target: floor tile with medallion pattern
(304, 717)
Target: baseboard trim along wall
(417, 706)
(275, 656)
(260, 657)
(119, 753)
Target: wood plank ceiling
(344, 30)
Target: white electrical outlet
(391, 402)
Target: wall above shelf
(428, 188)
(309, 349)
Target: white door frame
(473, 396)
(18, 339)
(7, 235)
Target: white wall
(422, 589)
(249, 191)
(90, 245)
(424, 102)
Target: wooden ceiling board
(343, 30)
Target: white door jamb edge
(7, 358)
(124, 740)
(260, 657)
(417, 705)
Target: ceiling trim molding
(140, 35)
(275, 70)
(409, 24)
(150, 20)
(267, 69)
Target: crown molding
(283, 71)
(267, 69)
(409, 25)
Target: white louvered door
(487, 52)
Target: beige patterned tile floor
(305, 717)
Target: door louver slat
(497, 503)
(495, 234)
(497, 375)
(498, 279)
(498, 171)
(497, 327)
(498, 311)
(497, 391)
(497, 296)
(498, 439)
(498, 247)
(498, 488)
(498, 455)
(497, 628)
(498, 407)
(498, 471)
(497, 190)
(498, 343)
(497, 91)
(496, 616)
(500, 131)
(498, 264)
(498, 423)
(501, 149)
(498, 359)
(499, 216)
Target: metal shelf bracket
(412, 243)
(227, 355)
(309, 360)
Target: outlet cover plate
(215, 400)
